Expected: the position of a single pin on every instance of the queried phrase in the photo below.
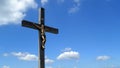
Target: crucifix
(42, 28)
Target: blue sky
(88, 33)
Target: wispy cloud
(60, 1)
(103, 58)
(111, 66)
(14, 11)
(49, 67)
(69, 55)
(67, 49)
(25, 56)
(75, 7)
(5, 66)
(48, 61)
(43, 2)
(5, 54)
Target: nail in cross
(42, 28)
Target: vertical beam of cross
(42, 28)
(42, 40)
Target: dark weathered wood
(51, 30)
(42, 37)
(36, 26)
(41, 17)
(29, 24)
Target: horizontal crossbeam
(29, 24)
(38, 27)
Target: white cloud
(77, 1)
(5, 66)
(48, 61)
(13, 11)
(25, 56)
(43, 2)
(75, 7)
(67, 49)
(68, 55)
(111, 66)
(5, 54)
(103, 58)
(49, 67)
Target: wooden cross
(42, 28)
